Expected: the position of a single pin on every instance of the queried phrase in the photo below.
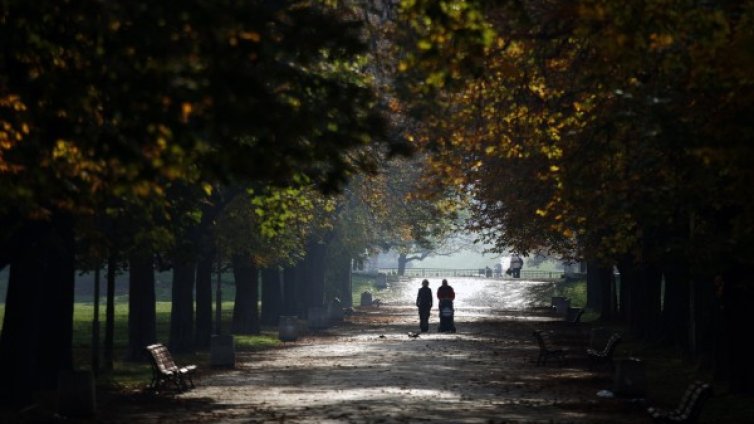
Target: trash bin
(630, 378)
(366, 299)
(288, 328)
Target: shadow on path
(369, 370)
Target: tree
(598, 131)
(126, 99)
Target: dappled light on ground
(367, 369)
(477, 292)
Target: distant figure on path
(498, 270)
(516, 264)
(424, 303)
(446, 295)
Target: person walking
(446, 295)
(424, 303)
(516, 264)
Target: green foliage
(597, 129)
(131, 115)
(252, 343)
(137, 375)
(362, 283)
(573, 290)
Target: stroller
(446, 317)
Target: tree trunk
(737, 295)
(627, 278)
(593, 287)
(651, 304)
(219, 297)
(141, 304)
(675, 311)
(182, 311)
(19, 344)
(341, 276)
(204, 301)
(57, 303)
(246, 309)
(346, 287)
(642, 305)
(95, 324)
(301, 287)
(402, 261)
(37, 332)
(271, 296)
(701, 329)
(108, 352)
(606, 281)
(315, 276)
(289, 303)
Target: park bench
(604, 356)
(689, 407)
(546, 350)
(164, 369)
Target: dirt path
(368, 370)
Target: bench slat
(164, 369)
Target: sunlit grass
(575, 291)
(131, 375)
(265, 340)
(361, 283)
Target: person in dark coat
(424, 303)
(446, 295)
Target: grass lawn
(359, 284)
(575, 291)
(130, 375)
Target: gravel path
(367, 370)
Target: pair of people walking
(445, 295)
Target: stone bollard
(76, 394)
(222, 351)
(630, 378)
(366, 299)
(318, 318)
(288, 328)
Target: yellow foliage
(660, 41)
(252, 36)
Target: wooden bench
(164, 369)
(689, 407)
(546, 350)
(605, 355)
